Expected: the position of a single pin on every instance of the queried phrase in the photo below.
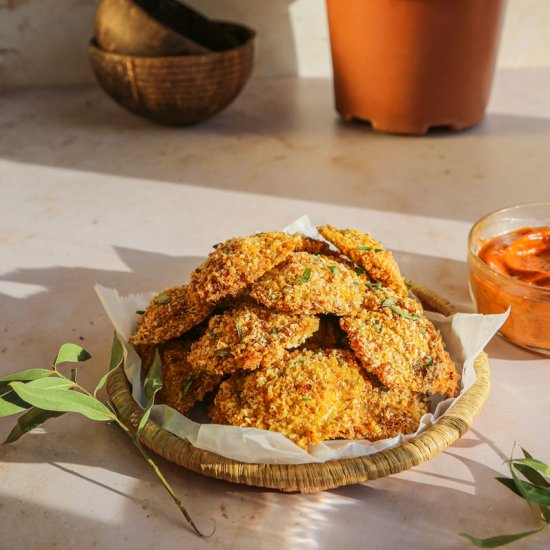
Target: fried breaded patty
(305, 283)
(182, 387)
(405, 353)
(238, 262)
(366, 251)
(169, 315)
(388, 413)
(247, 337)
(309, 396)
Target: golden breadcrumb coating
(238, 262)
(305, 283)
(247, 337)
(381, 298)
(182, 387)
(387, 413)
(329, 335)
(369, 254)
(404, 351)
(169, 315)
(309, 396)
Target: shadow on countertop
(282, 138)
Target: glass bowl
(529, 322)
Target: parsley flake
(429, 362)
(377, 287)
(359, 270)
(333, 268)
(391, 304)
(239, 331)
(216, 245)
(305, 399)
(140, 311)
(162, 299)
(304, 278)
(187, 386)
(223, 352)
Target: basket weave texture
(314, 477)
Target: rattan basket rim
(314, 477)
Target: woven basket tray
(310, 478)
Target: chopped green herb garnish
(359, 270)
(187, 386)
(423, 330)
(216, 245)
(223, 352)
(239, 331)
(333, 268)
(369, 248)
(140, 311)
(377, 287)
(391, 304)
(304, 278)
(162, 299)
(306, 398)
(275, 331)
(429, 362)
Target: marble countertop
(91, 194)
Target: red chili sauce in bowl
(523, 254)
(512, 270)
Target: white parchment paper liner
(465, 334)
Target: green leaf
(526, 453)
(71, 353)
(152, 384)
(509, 483)
(532, 475)
(333, 268)
(304, 278)
(33, 418)
(501, 540)
(531, 493)
(60, 397)
(23, 376)
(11, 403)
(533, 464)
(117, 358)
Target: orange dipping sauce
(523, 254)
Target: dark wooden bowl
(181, 89)
(156, 27)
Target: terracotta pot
(408, 65)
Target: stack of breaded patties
(290, 334)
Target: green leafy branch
(534, 488)
(42, 394)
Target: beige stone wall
(43, 42)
